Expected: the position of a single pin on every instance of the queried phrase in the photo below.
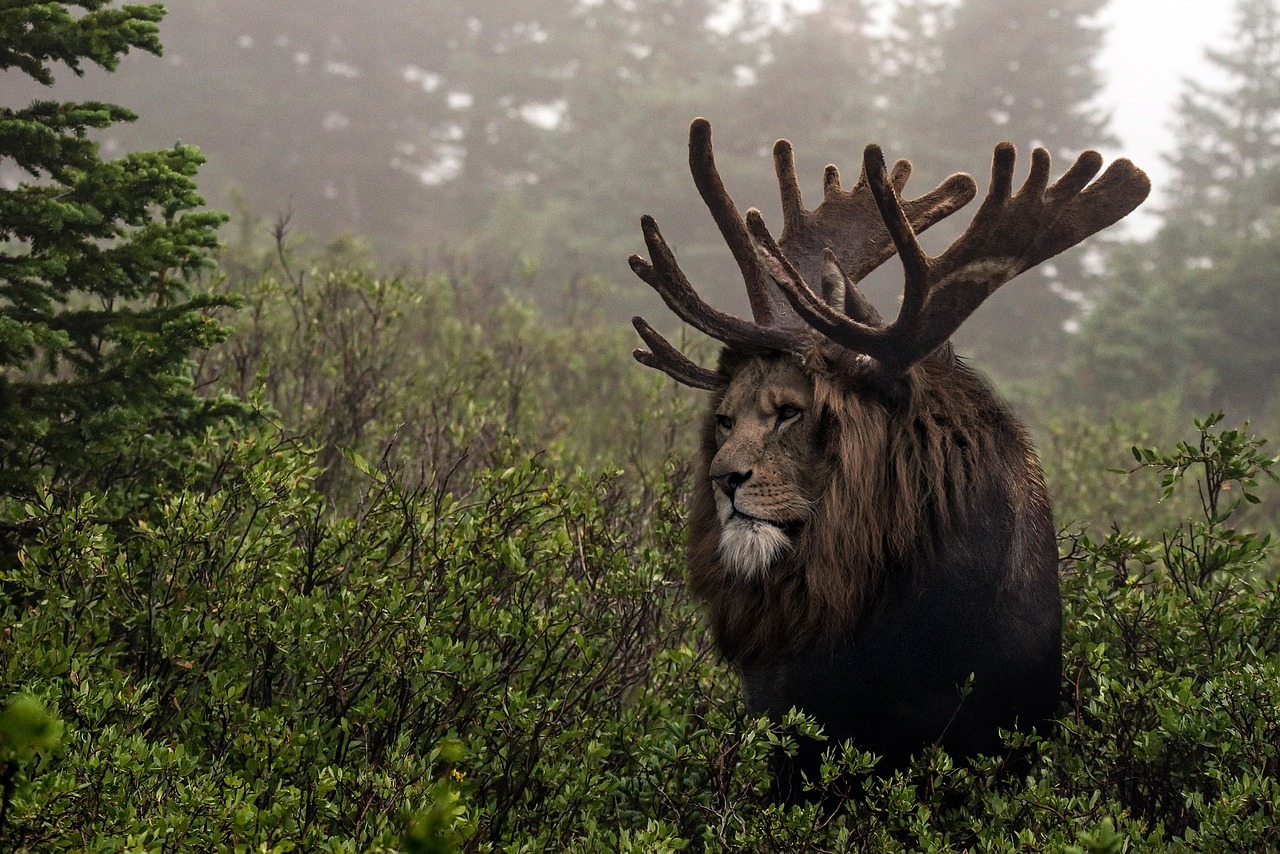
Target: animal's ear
(892, 391)
(862, 379)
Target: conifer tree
(1227, 152)
(1193, 311)
(98, 319)
(960, 77)
(1021, 71)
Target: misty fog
(521, 141)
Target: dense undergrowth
(432, 599)
(396, 565)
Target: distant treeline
(518, 139)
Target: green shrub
(244, 666)
(436, 373)
(1174, 642)
(511, 662)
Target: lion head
(818, 485)
(764, 469)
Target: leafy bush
(242, 666)
(512, 663)
(1174, 641)
(437, 373)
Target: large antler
(1010, 234)
(848, 223)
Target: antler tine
(1012, 233)
(665, 276)
(851, 300)
(702, 164)
(1009, 234)
(666, 358)
(864, 333)
(915, 263)
(849, 222)
(793, 212)
(1120, 189)
(821, 315)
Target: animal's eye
(786, 413)
(724, 422)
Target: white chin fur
(749, 547)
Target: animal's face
(766, 469)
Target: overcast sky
(1152, 45)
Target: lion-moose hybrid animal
(870, 530)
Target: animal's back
(956, 649)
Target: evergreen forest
(335, 514)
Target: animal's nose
(729, 483)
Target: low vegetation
(462, 625)
(296, 556)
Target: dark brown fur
(903, 468)
(929, 562)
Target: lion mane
(903, 471)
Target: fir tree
(98, 320)
(959, 79)
(1227, 152)
(1193, 311)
